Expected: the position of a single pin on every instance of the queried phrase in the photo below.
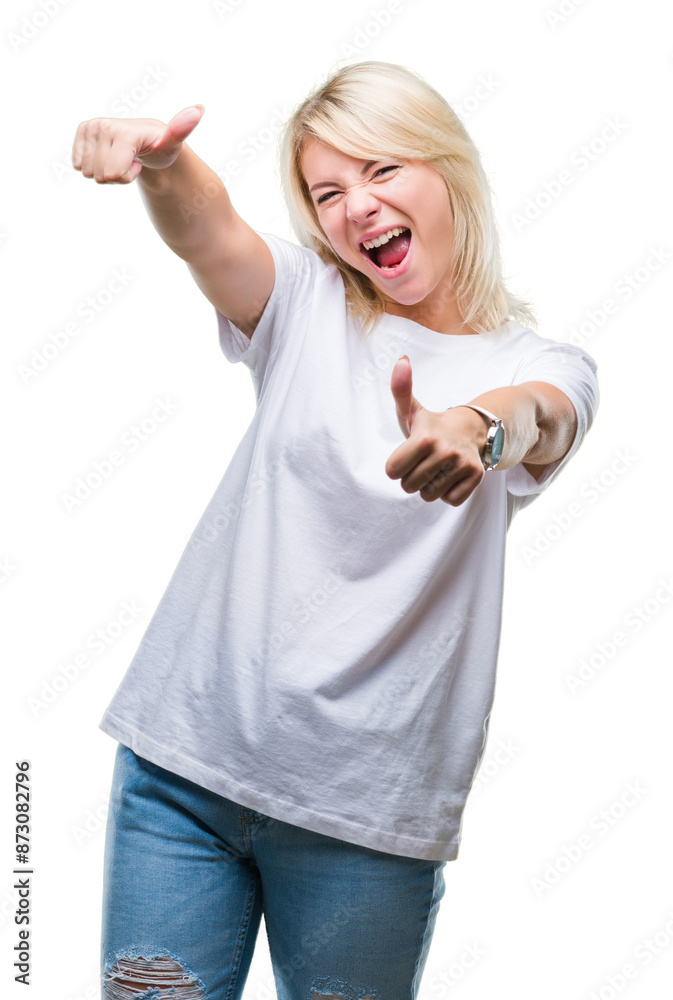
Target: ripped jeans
(188, 875)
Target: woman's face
(354, 198)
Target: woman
(305, 715)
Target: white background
(532, 89)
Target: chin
(406, 297)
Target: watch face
(496, 448)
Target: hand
(114, 150)
(441, 457)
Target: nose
(361, 202)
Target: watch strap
(480, 409)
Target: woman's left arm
(441, 456)
(540, 423)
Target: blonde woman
(306, 712)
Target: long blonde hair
(375, 109)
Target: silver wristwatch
(495, 441)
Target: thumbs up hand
(115, 150)
(441, 457)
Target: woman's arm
(188, 205)
(540, 423)
(191, 210)
(441, 457)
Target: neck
(440, 316)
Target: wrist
(163, 179)
(491, 446)
(479, 425)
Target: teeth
(383, 238)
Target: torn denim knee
(337, 989)
(143, 976)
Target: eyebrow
(368, 164)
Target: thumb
(181, 125)
(405, 401)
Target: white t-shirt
(325, 651)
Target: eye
(381, 170)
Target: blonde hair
(375, 109)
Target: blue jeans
(188, 875)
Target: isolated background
(534, 81)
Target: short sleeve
(572, 370)
(294, 266)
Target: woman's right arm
(188, 204)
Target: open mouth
(390, 255)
